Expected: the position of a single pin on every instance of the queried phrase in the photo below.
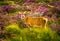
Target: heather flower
(3, 13)
(12, 21)
(1, 23)
(54, 17)
(7, 7)
(52, 3)
(57, 8)
(40, 9)
(27, 0)
(56, 5)
(17, 16)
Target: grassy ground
(30, 34)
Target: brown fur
(36, 22)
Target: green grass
(30, 34)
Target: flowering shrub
(13, 27)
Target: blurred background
(12, 24)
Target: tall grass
(30, 34)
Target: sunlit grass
(30, 34)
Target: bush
(13, 28)
(31, 34)
(36, 34)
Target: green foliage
(36, 34)
(13, 11)
(58, 21)
(50, 22)
(31, 34)
(16, 38)
(3, 3)
(13, 28)
(1, 0)
(6, 3)
(15, 0)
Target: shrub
(13, 28)
(31, 34)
